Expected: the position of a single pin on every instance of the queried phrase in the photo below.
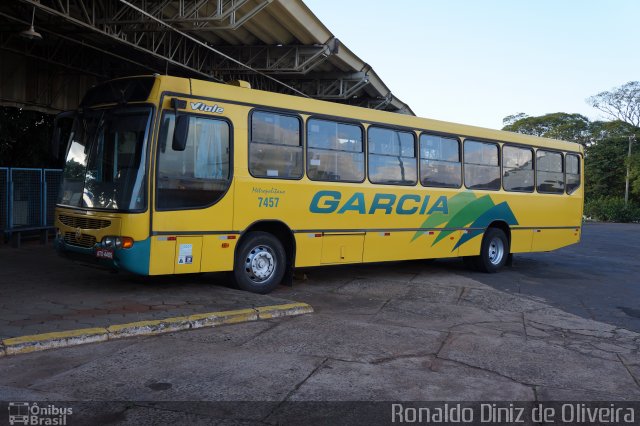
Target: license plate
(104, 254)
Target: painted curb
(59, 339)
(42, 342)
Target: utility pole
(626, 183)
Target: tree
(622, 103)
(510, 119)
(605, 168)
(604, 130)
(559, 125)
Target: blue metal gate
(28, 198)
(4, 199)
(52, 181)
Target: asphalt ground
(549, 328)
(597, 279)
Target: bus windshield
(105, 162)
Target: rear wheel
(494, 251)
(260, 263)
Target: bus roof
(259, 98)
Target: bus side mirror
(180, 133)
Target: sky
(478, 61)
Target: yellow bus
(168, 175)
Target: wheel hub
(260, 264)
(496, 251)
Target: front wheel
(494, 251)
(260, 263)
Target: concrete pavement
(406, 331)
(59, 303)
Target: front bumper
(134, 259)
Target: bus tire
(260, 263)
(494, 251)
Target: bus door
(193, 205)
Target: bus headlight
(108, 242)
(117, 242)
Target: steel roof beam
(277, 59)
(56, 56)
(340, 89)
(196, 14)
(163, 48)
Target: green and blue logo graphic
(466, 210)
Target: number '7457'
(268, 201)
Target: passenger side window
(481, 165)
(573, 172)
(549, 172)
(392, 157)
(440, 161)
(517, 170)
(198, 176)
(334, 151)
(275, 148)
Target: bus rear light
(225, 245)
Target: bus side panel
(188, 254)
(471, 247)
(446, 246)
(551, 219)
(162, 256)
(384, 246)
(521, 240)
(217, 253)
(552, 239)
(308, 249)
(342, 248)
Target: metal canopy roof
(255, 40)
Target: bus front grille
(84, 222)
(84, 240)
